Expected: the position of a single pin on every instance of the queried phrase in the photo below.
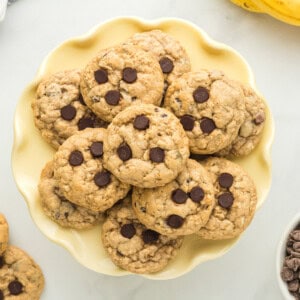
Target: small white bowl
(281, 255)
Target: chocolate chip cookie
(79, 171)
(170, 54)
(236, 198)
(146, 146)
(251, 129)
(59, 110)
(210, 108)
(134, 247)
(181, 207)
(20, 277)
(119, 77)
(60, 209)
(3, 234)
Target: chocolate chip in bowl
(288, 260)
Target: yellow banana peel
(246, 4)
(285, 10)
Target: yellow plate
(30, 152)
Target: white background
(33, 27)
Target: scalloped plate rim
(18, 138)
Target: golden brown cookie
(181, 207)
(59, 110)
(236, 199)
(119, 77)
(80, 174)
(210, 108)
(60, 209)
(3, 233)
(251, 129)
(146, 146)
(170, 54)
(134, 247)
(20, 277)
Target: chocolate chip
(292, 263)
(196, 194)
(80, 99)
(1, 262)
(97, 149)
(260, 118)
(225, 200)
(207, 125)
(293, 286)
(157, 154)
(287, 274)
(225, 180)
(141, 122)
(84, 123)
(179, 196)
(75, 158)
(150, 236)
(63, 90)
(112, 97)
(15, 287)
(124, 152)
(101, 76)
(1, 295)
(68, 112)
(128, 231)
(102, 179)
(166, 65)
(200, 94)
(296, 246)
(175, 221)
(129, 75)
(187, 122)
(295, 235)
(199, 156)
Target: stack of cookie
(20, 276)
(131, 130)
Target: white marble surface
(33, 27)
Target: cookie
(20, 277)
(251, 129)
(59, 110)
(3, 233)
(236, 199)
(80, 174)
(60, 209)
(146, 146)
(170, 54)
(134, 247)
(181, 207)
(119, 77)
(210, 108)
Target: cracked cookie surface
(236, 199)
(121, 76)
(81, 176)
(134, 247)
(181, 207)
(59, 110)
(210, 108)
(170, 54)
(3, 233)
(251, 129)
(146, 146)
(20, 277)
(61, 210)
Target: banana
(247, 4)
(284, 10)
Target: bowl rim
(266, 153)
(281, 254)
